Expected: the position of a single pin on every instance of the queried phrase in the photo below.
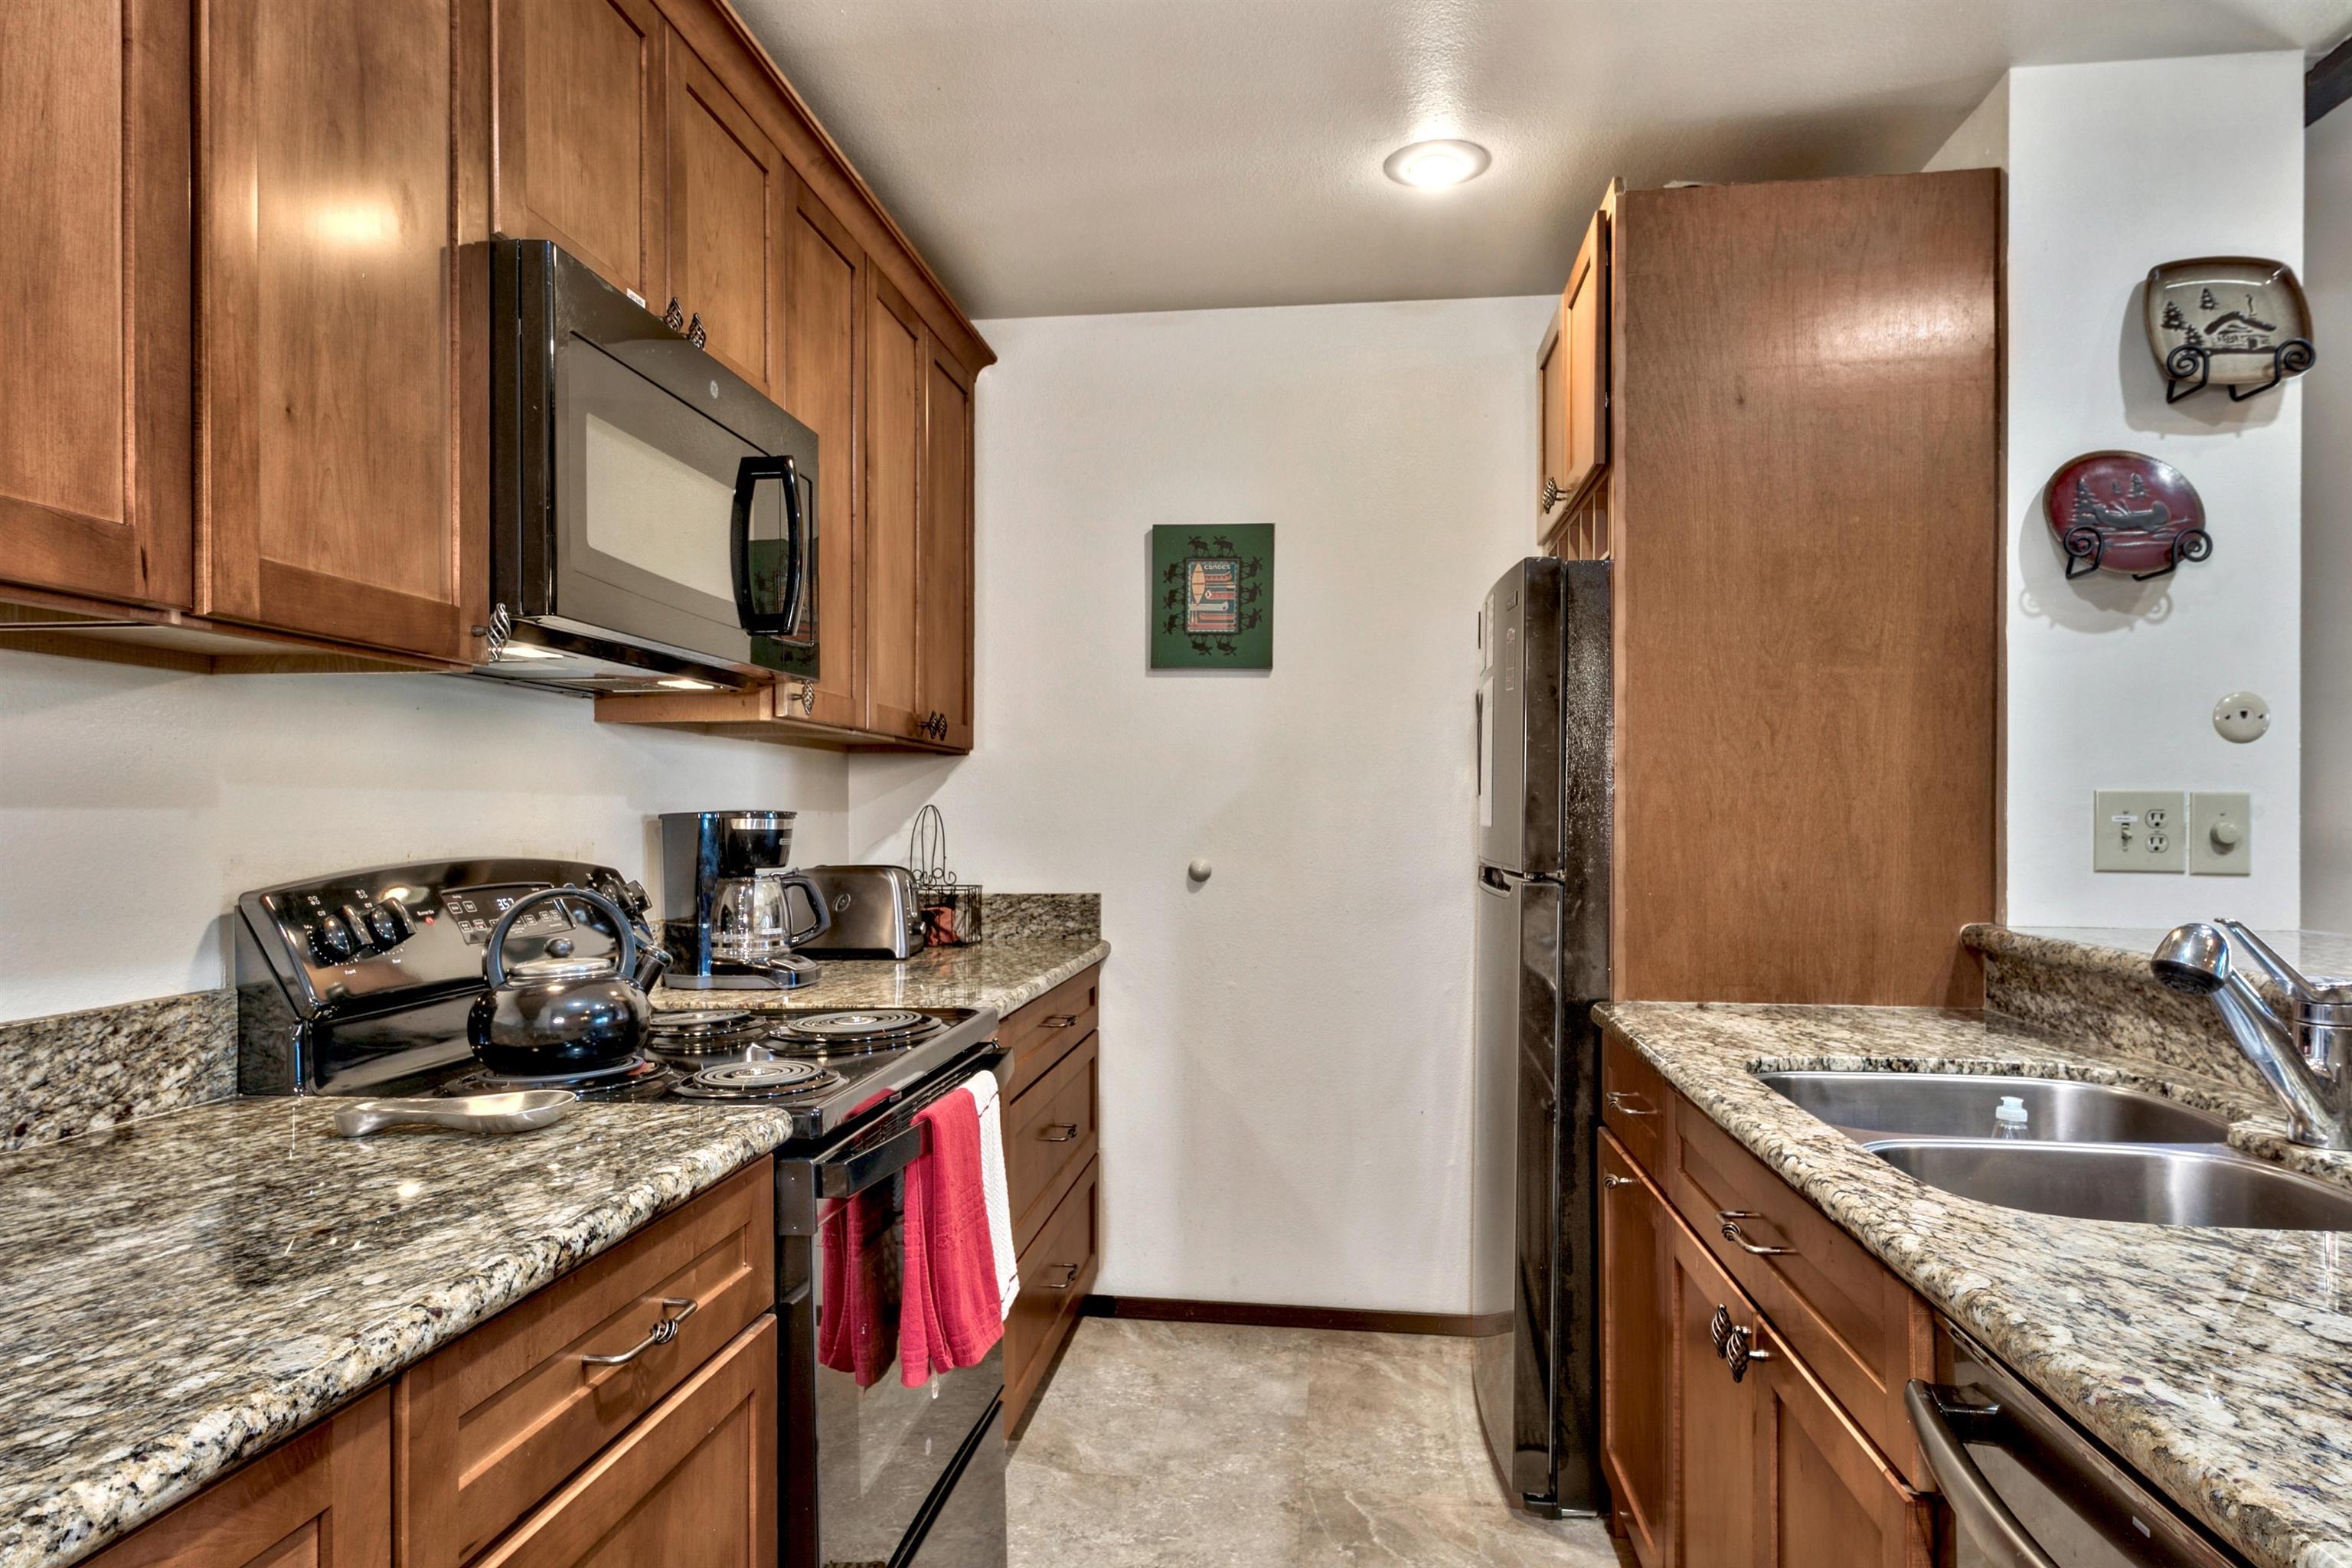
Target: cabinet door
(1825, 1497)
(1713, 1509)
(943, 555)
(693, 1485)
(897, 362)
(1584, 354)
(330, 494)
(823, 271)
(580, 162)
(725, 203)
(323, 1501)
(94, 451)
(1634, 1372)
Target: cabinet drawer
(1041, 1033)
(694, 1481)
(1635, 1103)
(1051, 1128)
(490, 1425)
(1056, 1270)
(1858, 1327)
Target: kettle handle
(625, 962)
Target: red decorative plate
(2125, 512)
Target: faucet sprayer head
(2192, 958)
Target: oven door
(644, 493)
(890, 1461)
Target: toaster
(874, 913)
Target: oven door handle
(749, 473)
(860, 1165)
(1998, 1531)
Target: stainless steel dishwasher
(2027, 1488)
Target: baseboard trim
(1274, 1315)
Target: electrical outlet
(2138, 830)
(2220, 833)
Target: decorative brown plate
(2125, 512)
(2228, 321)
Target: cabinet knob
(673, 318)
(1551, 493)
(693, 332)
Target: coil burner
(851, 1032)
(704, 1031)
(758, 1080)
(635, 1078)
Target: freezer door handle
(1494, 882)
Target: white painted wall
(2328, 531)
(135, 804)
(2111, 169)
(1285, 1065)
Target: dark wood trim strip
(2328, 83)
(1273, 1315)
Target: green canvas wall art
(1212, 597)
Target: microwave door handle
(748, 472)
(798, 536)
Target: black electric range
(358, 985)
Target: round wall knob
(1199, 869)
(2241, 716)
(2226, 835)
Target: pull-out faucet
(2308, 1058)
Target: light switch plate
(2220, 833)
(2138, 830)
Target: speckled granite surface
(1027, 917)
(1003, 974)
(77, 1072)
(2091, 984)
(183, 1292)
(2216, 1361)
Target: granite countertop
(1003, 974)
(2215, 1360)
(182, 1292)
(185, 1291)
(2123, 950)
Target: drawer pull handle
(1731, 1218)
(1615, 1181)
(1069, 1277)
(681, 1308)
(1061, 1020)
(1061, 1132)
(1619, 1100)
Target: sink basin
(2151, 1185)
(1961, 1105)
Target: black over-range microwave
(653, 516)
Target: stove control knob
(356, 923)
(633, 898)
(332, 941)
(389, 924)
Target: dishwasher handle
(1935, 1408)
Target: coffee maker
(727, 902)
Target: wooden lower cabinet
(693, 1485)
(323, 1500)
(1722, 1448)
(1057, 1270)
(1053, 1160)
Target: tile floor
(1187, 1445)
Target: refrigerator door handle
(1495, 883)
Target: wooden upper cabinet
(725, 205)
(1573, 369)
(943, 564)
(823, 271)
(331, 500)
(94, 158)
(323, 1501)
(897, 372)
(579, 117)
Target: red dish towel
(952, 1311)
(854, 1330)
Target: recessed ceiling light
(1435, 164)
(684, 683)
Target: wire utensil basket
(951, 908)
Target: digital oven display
(477, 910)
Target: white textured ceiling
(1056, 157)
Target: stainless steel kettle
(558, 1014)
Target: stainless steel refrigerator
(1542, 938)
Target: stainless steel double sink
(2083, 1151)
